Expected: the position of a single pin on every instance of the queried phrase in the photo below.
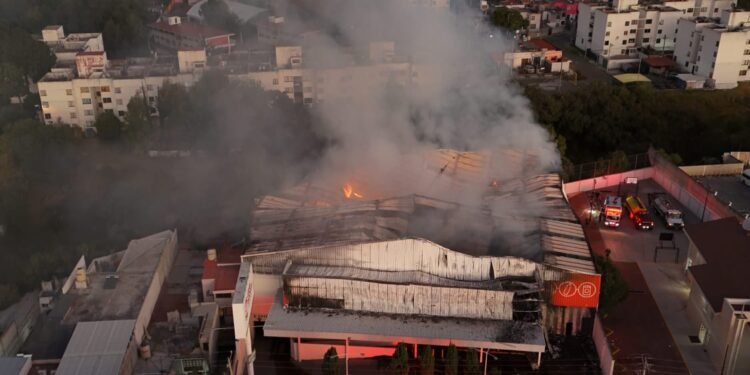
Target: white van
(746, 177)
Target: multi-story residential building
(625, 27)
(718, 51)
(76, 94)
(172, 34)
(66, 47)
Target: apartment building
(343, 79)
(172, 34)
(625, 27)
(716, 50)
(66, 47)
(77, 94)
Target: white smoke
(381, 134)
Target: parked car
(746, 177)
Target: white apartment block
(626, 27)
(343, 81)
(716, 50)
(66, 47)
(77, 95)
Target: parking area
(651, 326)
(729, 189)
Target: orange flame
(349, 192)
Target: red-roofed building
(220, 270)
(172, 34)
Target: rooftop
(245, 12)
(226, 278)
(726, 248)
(502, 335)
(190, 29)
(14, 365)
(97, 348)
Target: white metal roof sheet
(97, 348)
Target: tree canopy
(510, 19)
(22, 59)
(108, 126)
(597, 119)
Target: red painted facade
(580, 290)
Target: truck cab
(612, 211)
(639, 213)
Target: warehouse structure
(325, 269)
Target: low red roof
(209, 269)
(226, 278)
(726, 248)
(190, 29)
(543, 44)
(90, 53)
(659, 62)
(229, 255)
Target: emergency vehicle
(612, 211)
(639, 213)
(672, 216)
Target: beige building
(719, 301)
(622, 28)
(66, 47)
(716, 50)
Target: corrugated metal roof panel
(97, 348)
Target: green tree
(472, 363)
(22, 59)
(331, 362)
(426, 361)
(451, 360)
(8, 295)
(614, 289)
(509, 18)
(496, 371)
(108, 126)
(400, 360)
(137, 120)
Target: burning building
(363, 271)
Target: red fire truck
(639, 213)
(612, 211)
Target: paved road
(661, 287)
(590, 70)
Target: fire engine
(612, 211)
(662, 206)
(639, 213)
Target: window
(743, 72)
(747, 52)
(107, 100)
(606, 34)
(625, 33)
(632, 31)
(609, 24)
(47, 116)
(746, 62)
(71, 104)
(150, 87)
(68, 92)
(121, 113)
(88, 112)
(704, 9)
(658, 41)
(45, 104)
(105, 88)
(151, 99)
(717, 43)
(631, 40)
(275, 81)
(646, 40)
(73, 115)
(747, 41)
(42, 92)
(648, 22)
(690, 10)
(118, 101)
(658, 31)
(627, 23)
(118, 90)
(86, 100)
(624, 42)
(606, 42)
(713, 65)
(624, 52)
(647, 31)
(716, 10)
(84, 90)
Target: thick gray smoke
(459, 99)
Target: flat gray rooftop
(729, 189)
(339, 325)
(97, 348)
